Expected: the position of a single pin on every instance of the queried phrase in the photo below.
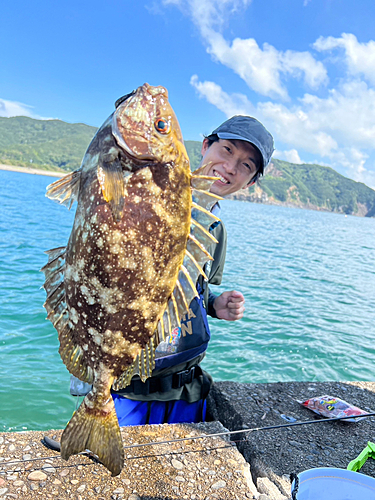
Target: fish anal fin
(111, 181)
(192, 267)
(198, 250)
(203, 216)
(94, 426)
(71, 354)
(161, 332)
(181, 296)
(66, 189)
(142, 365)
(200, 180)
(205, 199)
(202, 234)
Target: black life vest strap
(165, 384)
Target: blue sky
(305, 68)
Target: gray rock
(267, 487)
(218, 485)
(177, 464)
(37, 476)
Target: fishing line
(203, 436)
(85, 464)
(253, 429)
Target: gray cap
(246, 128)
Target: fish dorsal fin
(66, 189)
(57, 313)
(196, 255)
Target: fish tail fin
(95, 427)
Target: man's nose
(230, 166)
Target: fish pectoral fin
(111, 181)
(66, 189)
(94, 426)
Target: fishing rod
(253, 429)
(52, 444)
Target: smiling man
(236, 153)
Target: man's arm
(229, 305)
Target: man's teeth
(221, 178)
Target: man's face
(233, 162)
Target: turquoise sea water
(308, 278)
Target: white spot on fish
(73, 315)
(85, 292)
(80, 263)
(115, 249)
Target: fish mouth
(220, 177)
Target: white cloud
(260, 69)
(14, 108)
(235, 104)
(291, 155)
(209, 14)
(339, 128)
(263, 69)
(337, 125)
(359, 57)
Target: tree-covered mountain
(59, 146)
(304, 186)
(43, 144)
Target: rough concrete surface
(209, 468)
(212, 468)
(275, 454)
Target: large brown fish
(128, 273)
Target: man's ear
(204, 146)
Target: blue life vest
(187, 341)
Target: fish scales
(114, 293)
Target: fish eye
(162, 126)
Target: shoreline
(34, 171)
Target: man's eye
(227, 149)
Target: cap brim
(229, 135)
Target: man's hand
(229, 305)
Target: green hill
(59, 146)
(304, 186)
(312, 186)
(43, 144)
